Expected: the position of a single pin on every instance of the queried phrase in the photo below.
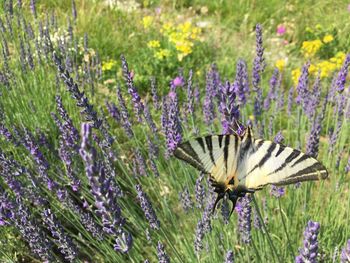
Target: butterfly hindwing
(215, 155)
(272, 163)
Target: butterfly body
(240, 164)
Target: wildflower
(241, 82)
(153, 44)
(190, 99)
(310, 48)
(272, 94)
(136, 99)
(162, 256)
(162, 54)
(123, 242)
(281, 30)
(178, 81)
(309, 252)
(199, 235)
(225, 210)
(108, 65)
(342, 74)
(229, 257)
(328, 38)
(244, 219)
(64, 242)
(147, 21)
(200, 191)
(174, 129)
(147, 208)
(280, 64)
(345, 253)
(230, 111)
(277, 191)
(302, 87)
(185, 199)
(125, 117)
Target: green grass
(31, 99)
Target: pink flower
(178, 81)
(132, 74)
(281, 30)
(348, 7)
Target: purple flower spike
(277, 191)
(302, 87)
(123, 242)
(200, 192)
(229, 257)
(241, 83)
(340, 82)
(347, 167)
(136, 99)
(244, 219)
(185, 199)
(147, 208)
(309, 251)
(162, 256)
(345, 253)
(174, 129)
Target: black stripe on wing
(314, 172)
(264, 158)
(209, 143)
(185, 152)
(294, 154)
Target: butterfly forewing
(274, 163)
(215, 155)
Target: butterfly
(240, 164)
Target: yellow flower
(313, 69)
(328, 38)
(167, 27)
(280, 64)
(326, 68)
(153, 44)
(295, 76)
(185, 47)
(147, 21)
(310, 48)
(108, 65)
(162, 53)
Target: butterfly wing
(272, 163)
(215, 155)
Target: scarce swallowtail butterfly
(242, 164)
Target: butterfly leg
(218, 198)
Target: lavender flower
(196, 95)
(32, 7)
(149, 120)
(174, 130)
(345, 253)
(185, 199)
(147, 208)
(164, 116)
(340, 82)
(210, 93)
(314, 99)
(136, 99)
(314, 137)
(200, 192)
(141, 163)
(81, 100)
(228, 109)
(279, 137)
(63, 241)
(229, 257)
(341, 105)
(272, 94)
(302, 86)
(347, 167)
(256, 221)
(101, 187)
(190, 99)
(244, 219)
(42, 163)
(309, 252)
(277, 191)
(123, 242)
(199, 235)
(241, 82)
(113, 111)
(125, 117)
(162, 256)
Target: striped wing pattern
(272, 163)
(215, 155)
(255, 163)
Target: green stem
(265, 230)
(285, 229)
